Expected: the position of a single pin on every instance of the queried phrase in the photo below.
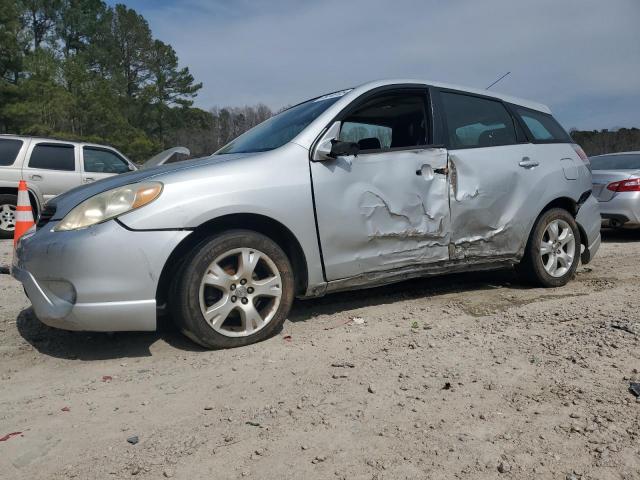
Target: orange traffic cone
(24, 215)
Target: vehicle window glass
(477, 122)
(53, 157)
(103, 161)
(9, 149)
(543, 126)
(390, 120)
(377, 136)
(281, 128)
(627, 161)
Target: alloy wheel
(240, 292)
(7, 217)
(558, 248)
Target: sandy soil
(468, 376)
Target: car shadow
(91, 346)
(620, 235)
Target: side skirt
(376, 279)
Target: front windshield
(281, 128)
(626, 161)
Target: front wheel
(553, 250)
(234, 289)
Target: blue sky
(580, 57)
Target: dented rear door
(382, 211)
(495, 174)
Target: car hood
(164, 156)
(65, 202)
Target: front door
(388, 207)
(99, 163)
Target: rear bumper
(624, 207)
(103, 278)
(589, 221)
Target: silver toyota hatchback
(381, 183)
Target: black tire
(531, 268)
(7, 199)
(184, 293)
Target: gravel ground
(468, 376)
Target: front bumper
(588, 219)
(102, 278)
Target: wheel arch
(33, 198)
(572, 207)
(267, 226)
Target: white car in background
(51, 167)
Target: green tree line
(597, 142)
(81, 69)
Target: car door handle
(35, 177)
(439, 171)
(89, 180)
(526, 162)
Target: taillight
(580, 152)
(582, 155)
(630, 185)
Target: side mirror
(343, 149)
(329, 147)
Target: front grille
(47, 213)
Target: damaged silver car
(381, 183)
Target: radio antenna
(503, 76)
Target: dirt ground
(469, 376)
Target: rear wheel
(234, 289)
(553, 250)
(8, 204)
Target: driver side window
(103, 161)
(388, 121)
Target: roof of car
(54, 139)
(488, 93)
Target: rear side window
(543, 127)
(51, 156)
(103, 161)
(474, 122)
(9, 149)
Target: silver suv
(385, 182)
(50, 168)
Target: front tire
(553, 250)
(234, 289)
(8, 204)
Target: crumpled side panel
(375, 212)
(486, 195)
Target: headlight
(109, 204)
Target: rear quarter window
(9, 149)
(53, 156)
(542, 126)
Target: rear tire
(233, 289)
(552, 253)
(8, 204)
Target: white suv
(50, 167)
